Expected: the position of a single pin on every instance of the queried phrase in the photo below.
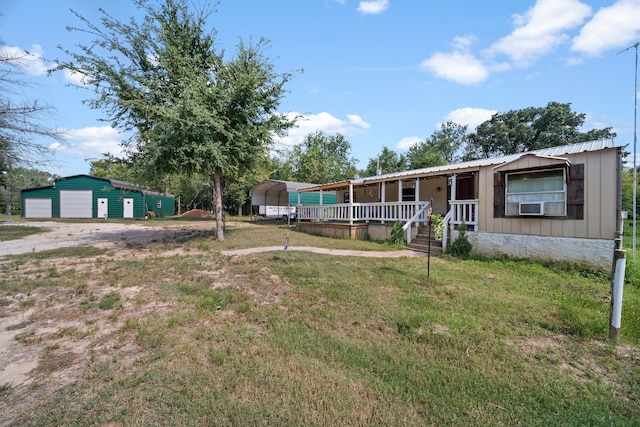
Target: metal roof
(562, 150)
(275, 192)
(274, 184)
(119, 184)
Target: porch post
(417, 181)
(350, 203)
(454, 180)
(383, 199)
(399, 190)
(320, 197)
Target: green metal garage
(85, 196)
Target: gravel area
(98, 233)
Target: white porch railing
(461, 210)
(394, 211)
(421, 215)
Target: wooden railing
(394, 211)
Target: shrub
(461, 247)
(437, 222)
(397, 235)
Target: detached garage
(85, 196)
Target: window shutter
(498, 195)
(575, 192)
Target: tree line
(203, 123)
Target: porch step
(420, 243)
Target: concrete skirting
(595, 253)
(333, 229)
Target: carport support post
(616, 293)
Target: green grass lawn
(193, 338)
(8, 232)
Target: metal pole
(429, 253)
(635, 143)
(615, 322)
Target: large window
(536, 193)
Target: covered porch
(371, 206)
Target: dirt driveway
(98, 233)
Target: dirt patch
(579, 359)
(109, 235)
(196, 213)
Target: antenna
(633, 46)
(635, 143)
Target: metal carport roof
(273, 192)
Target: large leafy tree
(17, 179)
(448, 140)
(424, 155)
(528, 129)
(191, 110)
(111, 167)
(627, 191)
(322, 158)
(388, 161)
(21, 130)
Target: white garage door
(76, 204)
(37, 208)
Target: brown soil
(196, 213)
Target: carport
(273, 193)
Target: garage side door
(76, 204)
(37, 208)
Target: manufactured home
(559, 203)
(85, 196)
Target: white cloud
(458, 67)
(373, 7)
(90, 142)
(75, 78)
(471, 117)
(615, 26)
(540, 30)
(31, 61)
(357, 121)
(463, 43)
(325, 122)
(407, 142)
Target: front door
(103, 208)
(128, 208)
(464, 188)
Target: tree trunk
(217, 189)
(8, 201)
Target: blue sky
(380, 72)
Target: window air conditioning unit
(531, 208)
